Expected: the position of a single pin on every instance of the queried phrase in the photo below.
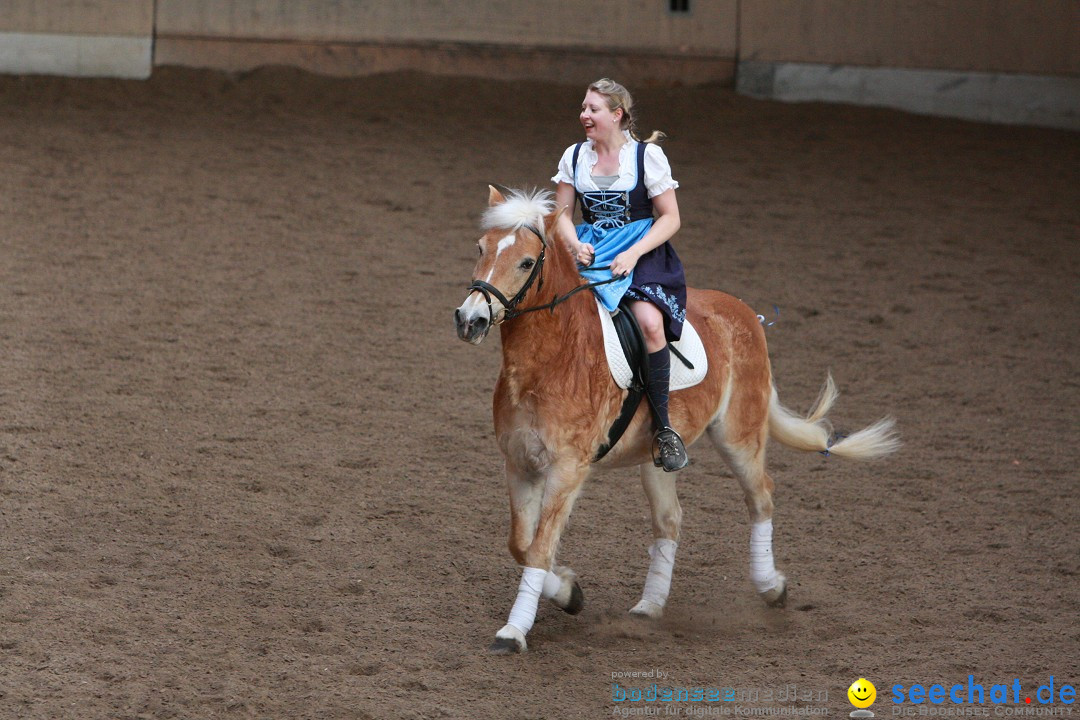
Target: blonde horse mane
(521, 208)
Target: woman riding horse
(555, 400)
(621, 182)
(552, 416)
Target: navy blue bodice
(609, 209)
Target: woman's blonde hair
(619, 97)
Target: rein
(487, 290)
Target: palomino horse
(555, 400)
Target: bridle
(487, 290)
(510, 306)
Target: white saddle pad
(681, 376)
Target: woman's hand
(624, 263)
(585, 253)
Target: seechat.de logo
(1000, 695)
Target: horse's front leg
(666, 521)
(526, 490)
(540, 504)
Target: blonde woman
(629, 211)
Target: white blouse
(657, 169)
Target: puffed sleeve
(566, 171)
(657, 171)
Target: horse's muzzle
(471, 327)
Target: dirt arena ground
(247, 469)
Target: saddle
(629, 364)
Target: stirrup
(669, 451)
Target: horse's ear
(495, 197)
(552, 220)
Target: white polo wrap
(552, 585)
(762, 570)
(523, 614)
(658, 581)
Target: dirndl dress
(613, 222)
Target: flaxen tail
(814, 432)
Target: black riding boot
(669, 451)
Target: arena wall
(998, 60)
(565, 40)
(104, 38)
(1009, 36)
(1001, 60)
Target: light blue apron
(608, 243)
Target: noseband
(487, 290)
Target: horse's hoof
(777, 597)
(568, 596)
(647, 610)
(503, 646)
(508, 641)
(577, 601)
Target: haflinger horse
(555, 401)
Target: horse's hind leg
(666, 521)
(747, 462)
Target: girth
(633, 344)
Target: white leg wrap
(658, 581)
(523, 614)
(552, 585)
(762, 570)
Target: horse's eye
(480, 249)
(527, 264)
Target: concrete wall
(638, 25)
(542, 39)
(1037, 37)
(1012, 61)
(111, 38)
(1003, 60)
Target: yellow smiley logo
(862, 693)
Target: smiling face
(862, 693)
(597, 117)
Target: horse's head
(517, 228)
